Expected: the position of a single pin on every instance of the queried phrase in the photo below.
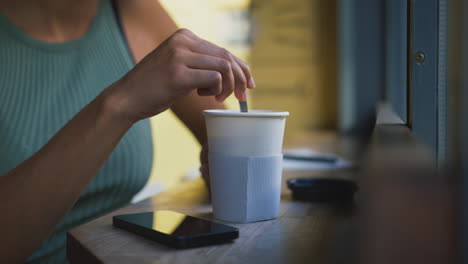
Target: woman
(74, 106)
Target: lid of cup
(250, 113)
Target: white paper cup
(255, 133)
(245, 163)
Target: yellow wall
(176, 150)
(293, 59)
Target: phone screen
(175, 224)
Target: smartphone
(175, 229)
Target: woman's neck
(51, 20)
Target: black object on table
(322, 190)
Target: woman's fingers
(239, 70)
(207, 82)
(246, 69)
(200, 61)
(240, 81)
(201, 54)
(204, 92)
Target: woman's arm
(38, 193)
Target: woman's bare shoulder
(146, 24)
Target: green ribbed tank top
(42, 86)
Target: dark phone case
(176, 241)
(322, 190)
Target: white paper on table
(307, 165)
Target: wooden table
(304, 233)
(407, 214)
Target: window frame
(427, 75)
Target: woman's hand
(179, 65)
